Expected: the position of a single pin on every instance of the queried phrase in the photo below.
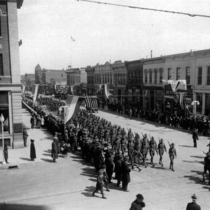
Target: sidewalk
(43, 141)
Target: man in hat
(172, 155)
(206, 166)
(138, 204)
(32, 150)
(195, 137)
(193, 205)
(125, 170)
(100, 183)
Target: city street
(69, 183)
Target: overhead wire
(144, 8)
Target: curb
(4, 167)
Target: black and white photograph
(104, 105)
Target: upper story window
(161, 75)
(188, 75)
(155, 76)
(145, 72)
(1, 65)
(169, 73)
(178, 73)
(199, 75)
(208, 75)
(150, 76)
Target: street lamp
(2, 130)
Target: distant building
(90, 80)
(10, 86)
(44, 76)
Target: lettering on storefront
(18, 128)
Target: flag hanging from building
(106, 91)
(72, 108)
(91, 102)
(176, 84)
(35, 92)
(98, 88)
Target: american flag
(91, 102)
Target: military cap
(194, 197)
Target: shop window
(200, 76)
(178, 73)
(188, 75)
(208, 75)
(4, 110)
(199, 99)
(169, 73)
(161, 75)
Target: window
(145, 72)
(178, 73)
(188, 75)
(68, 79)
(61, 75)
(4, 110)
(161, 75)
(169, 73)
(199, 75)
(150, 76)
(155, 76)
(208, 75)
(1, 65)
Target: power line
(144, 8)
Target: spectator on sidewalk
(125, 170)
(32, 121)
(138, 204)
(25, 136)
(32, 150)
(54, 151)
(6, 153)
(193, 205)
(42, 122)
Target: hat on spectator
(140, 196)
(194, 197)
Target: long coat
(125, 172)
(193, 206)
(54, 152)
(32, 151)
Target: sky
(106, 33)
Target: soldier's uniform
(172, 155)
(152, 149)
(144, 151)
(206, 166)
(161, 149)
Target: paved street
(69, 183)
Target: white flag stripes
(36, 92)
(176, 84)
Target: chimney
(151, 53)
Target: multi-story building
(201, 81)
(78, 78)
(153, 89)
(120, 81)
(90, 80)
(134, 82)
(179, 67)
(10, 85)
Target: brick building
(10, 85)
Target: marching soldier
(161, 149)
(144, 151)
(152, 149)
(172, 155)
(130, 150)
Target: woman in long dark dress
(32, 150)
